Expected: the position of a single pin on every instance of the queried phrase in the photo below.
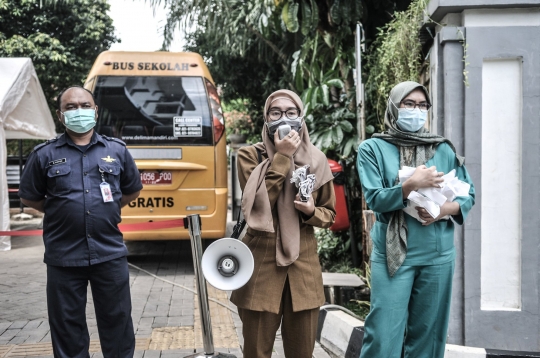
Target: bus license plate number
(156, 178)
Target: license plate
(156, 178)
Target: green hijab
(415, 148)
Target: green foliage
(395, 57)
(255, 47)
(247, 78)
(289, 15)
(331, 248)
(238, 120)
(62, 40)
(334, 257)
(237, 104)
(363, 306)
(27, 146)
(360, 311)
(332, 131)
(345, 266)
(238, 123)
(303, 45)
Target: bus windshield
(154, 110)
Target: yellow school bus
(166, 108)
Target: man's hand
(448, 208)
(38, 205)
(126, 199)
(289, 144)
(306, 207)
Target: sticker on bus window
(187, 126)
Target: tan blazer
(264, 289)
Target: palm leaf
(289, 14)
(336, 82)
(306, 18)
(325, 90)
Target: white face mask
(411, 120)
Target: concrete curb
(341, 335)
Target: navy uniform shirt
(79, 228)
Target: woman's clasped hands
(425, 177)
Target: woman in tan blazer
(286, 287)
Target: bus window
(154, 110)
(165, 106)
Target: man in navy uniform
(80, 180)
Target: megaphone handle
(238, 228)
(240, 224)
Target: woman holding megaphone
(286, 286)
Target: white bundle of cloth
(432, 199)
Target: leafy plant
(395, 57)
(331, 248)
(333, 255)
(62, 40)
(12, 146)
(331, 129)
(364, 306)
(237, 122)
(256, 47)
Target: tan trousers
(298, 330)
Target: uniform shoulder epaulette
(39, 146)
(114, 139)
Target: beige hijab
(255, 201)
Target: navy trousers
(66, 303)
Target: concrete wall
(495, 122)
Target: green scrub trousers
(415, 301)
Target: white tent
(24, 114)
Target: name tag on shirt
(106, 192)
(57, 161)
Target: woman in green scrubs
(412, 263)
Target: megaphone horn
(227, 264)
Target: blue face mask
(80, 120)
(411, 120)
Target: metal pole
(359, 47)
(360, 105)
(193, 224)
(354, 245)
(21, 205)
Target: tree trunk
(348, 80)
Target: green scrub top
(378, 165)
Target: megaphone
(227, 264)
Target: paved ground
(165, 316)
